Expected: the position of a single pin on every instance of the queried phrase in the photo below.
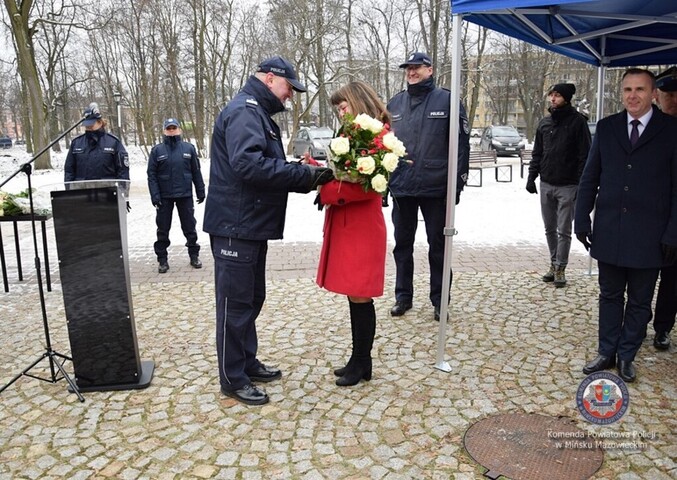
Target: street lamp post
(117, 96)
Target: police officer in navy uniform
(420, 118)
(249, 182)
(666, 299)
(173, 168)
(96, 154)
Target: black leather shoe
(163, 267)
(626, 370)
(264, 374)
(662, 341)
(249, 394)
(195, 262)
(599, 363)
(399, 308)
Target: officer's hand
(200, 199)
(585, 238)
(531, 186)
(669, 254)
(157, 204)
(129, 207)
(319, 176)
(318, 202)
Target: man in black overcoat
(630, 179)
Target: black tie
(634, 133)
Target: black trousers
(163, 219)
(622, 325)
(240, 288)
(405, 221)
(666, 300)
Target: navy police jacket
(420, 119)
(96, 155)
(173, 168)
(249, 178)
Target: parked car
(313, 140)
(5, 142)
(504, 139)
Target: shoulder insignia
(251, 101)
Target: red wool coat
(353, 257)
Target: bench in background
(481, 159)
(525, 158)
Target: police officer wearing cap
(249, 182)
(96, 154)
(666, 299)
(173, 168)
(420, 118)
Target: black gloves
(318, 202)
(157, 204)
(319, 176)
(129, 207)
(200, 199)
(531, 184)
(669, 254)
(585, 238)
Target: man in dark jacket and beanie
(248, 186)
(420, 119)
(560, 149)
(173, 168)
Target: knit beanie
(567, 90)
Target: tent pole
(601, 70)
(449, 230)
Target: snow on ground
(494, 214)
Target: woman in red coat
(352, 261)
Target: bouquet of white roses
(366, 152)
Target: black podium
(91, 238)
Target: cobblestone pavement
(514, 344)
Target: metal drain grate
(521, 446)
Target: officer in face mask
(96, 154)
(173, 169)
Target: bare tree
(23, 31)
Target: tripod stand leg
(25, 371)
(71, 383)
(50, 354)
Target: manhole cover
(532, 447)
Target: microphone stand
(56, 359)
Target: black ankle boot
(364, 330)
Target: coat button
(625, 210)
(629, 167)
(626, 188)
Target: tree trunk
(25, 54)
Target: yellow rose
(366, 165)
(390, 161)
(340, 145)
(379, 183)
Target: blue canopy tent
(605, 33)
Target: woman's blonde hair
(362, 99)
